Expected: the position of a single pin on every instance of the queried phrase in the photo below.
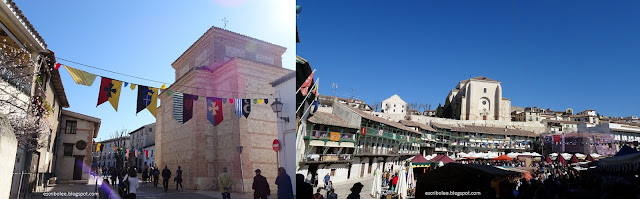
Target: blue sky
(143, 38)
(577, 54)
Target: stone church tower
(222, 64)
(478, 98)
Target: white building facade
(141, 138)
(395, 105)
(479, 98)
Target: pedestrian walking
(326, 180)
(104, 189)
(166, 175)
(156, 176)
(355, 191)
(285, 188)
(329, 187)
(225, 182)
(332, 194)
(303, 188)
(114, 176)
(134, 184)
(145, 176)
(318, 195)
(178, 178)
(260, 186)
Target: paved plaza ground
(343, 188)
(144, 192)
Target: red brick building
(222, 64)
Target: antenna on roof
(351, 94)
(334, 86)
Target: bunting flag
(127, 154)
(147, 98)
(80, 76)
(231, 100)
(177, 106)
(259, 101)
(307, 83)
(255, 101)
(133, 86)
(266, 101)
(187, 106)
(238, 107)
(109, 91)
(146, 152)
(214, 110)
(126, 84)
(57, 66)
(315, 103)
(98, 147)
(246, 107)
(164, 86)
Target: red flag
(147, 152)
(57, 66)
(307, 83)
(214, 110)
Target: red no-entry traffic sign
(276, 145)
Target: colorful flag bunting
(187, 107)
(109, 91)
(214, 110)
(238, 107)
(177, 106)
(80, 76)
(147, 98)
(246, 107)
(307, 83)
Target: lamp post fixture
(277, 108)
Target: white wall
(8, 148)
(287, 130)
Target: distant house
(74, 145)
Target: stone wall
(8, 147)
(203, 150)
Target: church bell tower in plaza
(226, 65)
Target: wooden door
(77, 168)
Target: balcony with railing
(326, 136)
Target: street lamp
(277, 108)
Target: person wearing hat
(225, 182)
(260, 186)
(355, 191)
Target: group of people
(261, 186)
(126, 182)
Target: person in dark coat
(285, 188)
(355, 191)
(166, 175)
(304, 190)
(332, 194)
(318, 195)
(114, 176)
(156, 176)
(260, 186)
(145, 175)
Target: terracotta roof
(330, 119)
(417, 124)
(441, 126)
(505, 99)
(381, 120)
(284, 78)
(18, 13)
(494, 130)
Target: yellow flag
(164, 86)
(259, 101)
(115, 97)
(154, 101)
(133, 86)
(98, 146)
(80, 76)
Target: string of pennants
(110, 90)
